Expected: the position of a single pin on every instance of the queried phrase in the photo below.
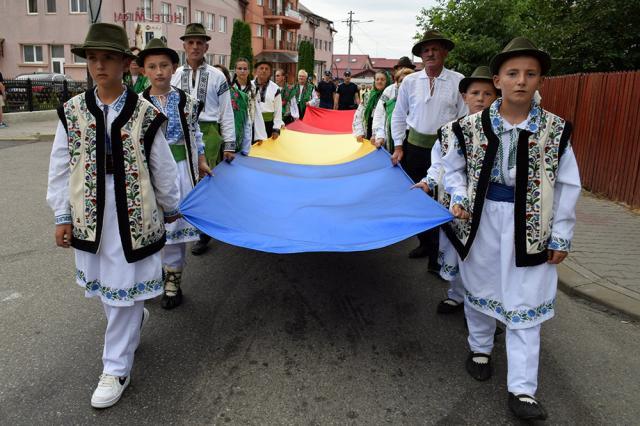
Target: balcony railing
(271, 44)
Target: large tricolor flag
(315, 188)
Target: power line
(350, 22)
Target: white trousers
(456, 289)
(523, 349)
(173, 256)
(121, 338)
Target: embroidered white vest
(190, 108)
(140, 218)
(538, 156)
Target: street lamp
(94, 16)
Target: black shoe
(170, 302)
(526, 407)
(418, 252)
(477, 370)
(200, 247)
(449, 306)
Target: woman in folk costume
(363, 118)
(246, 111)
(514, 184)
(112, 185)
(134, 78)
(269, 99)
(289, 106)
(304, 94)
(478, 93)
(182, 132)
(381, 123)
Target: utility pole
(350, 22)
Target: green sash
(212, 142)
(420, 139)
(389, 106)
(268, 116)
(179, 152)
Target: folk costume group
(121, 163)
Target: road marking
(12, 296)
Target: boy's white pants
(523, 349)
(121, 338)
(173, 256)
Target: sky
(390, 35)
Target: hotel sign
(138, 16)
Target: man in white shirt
(426, 100)
(208, 85)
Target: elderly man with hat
(208, 85)
(386, 103)
(269, 98)
(426, 101)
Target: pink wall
(64, 28)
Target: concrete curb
(576, 280)
(36, 137)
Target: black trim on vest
(520, 205)
(187, 137)
(481, 189)
(564, 139)
(457, 130)
(63, 118)
(92, 106)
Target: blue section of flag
(289, 208)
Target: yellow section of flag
(312, 149)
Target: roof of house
(305, 10)
(358, 63)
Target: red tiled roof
(383, 63)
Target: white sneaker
(109, 390)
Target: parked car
(47, 90)
(37, 77)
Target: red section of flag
(327, 120)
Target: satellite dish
(94, 10)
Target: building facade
(38, 35)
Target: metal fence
(37, 95)
(605, 111)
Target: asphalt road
(264, 339)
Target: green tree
(241, 43)
(580, 35)
(306, 57)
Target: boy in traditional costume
(514, 184)
(112, 185)
(478, 93)
(182, 132)
(208, 85)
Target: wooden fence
(605, 111)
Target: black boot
(172, 297)
(479, 366)
(526, 407)
(449, 306)
(201, 245)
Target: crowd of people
(124, 156)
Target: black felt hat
(429, 36)
(520, 46)
(109, 37)
(195, 30)
(482, 73)
(404, 62)
(157, 47)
